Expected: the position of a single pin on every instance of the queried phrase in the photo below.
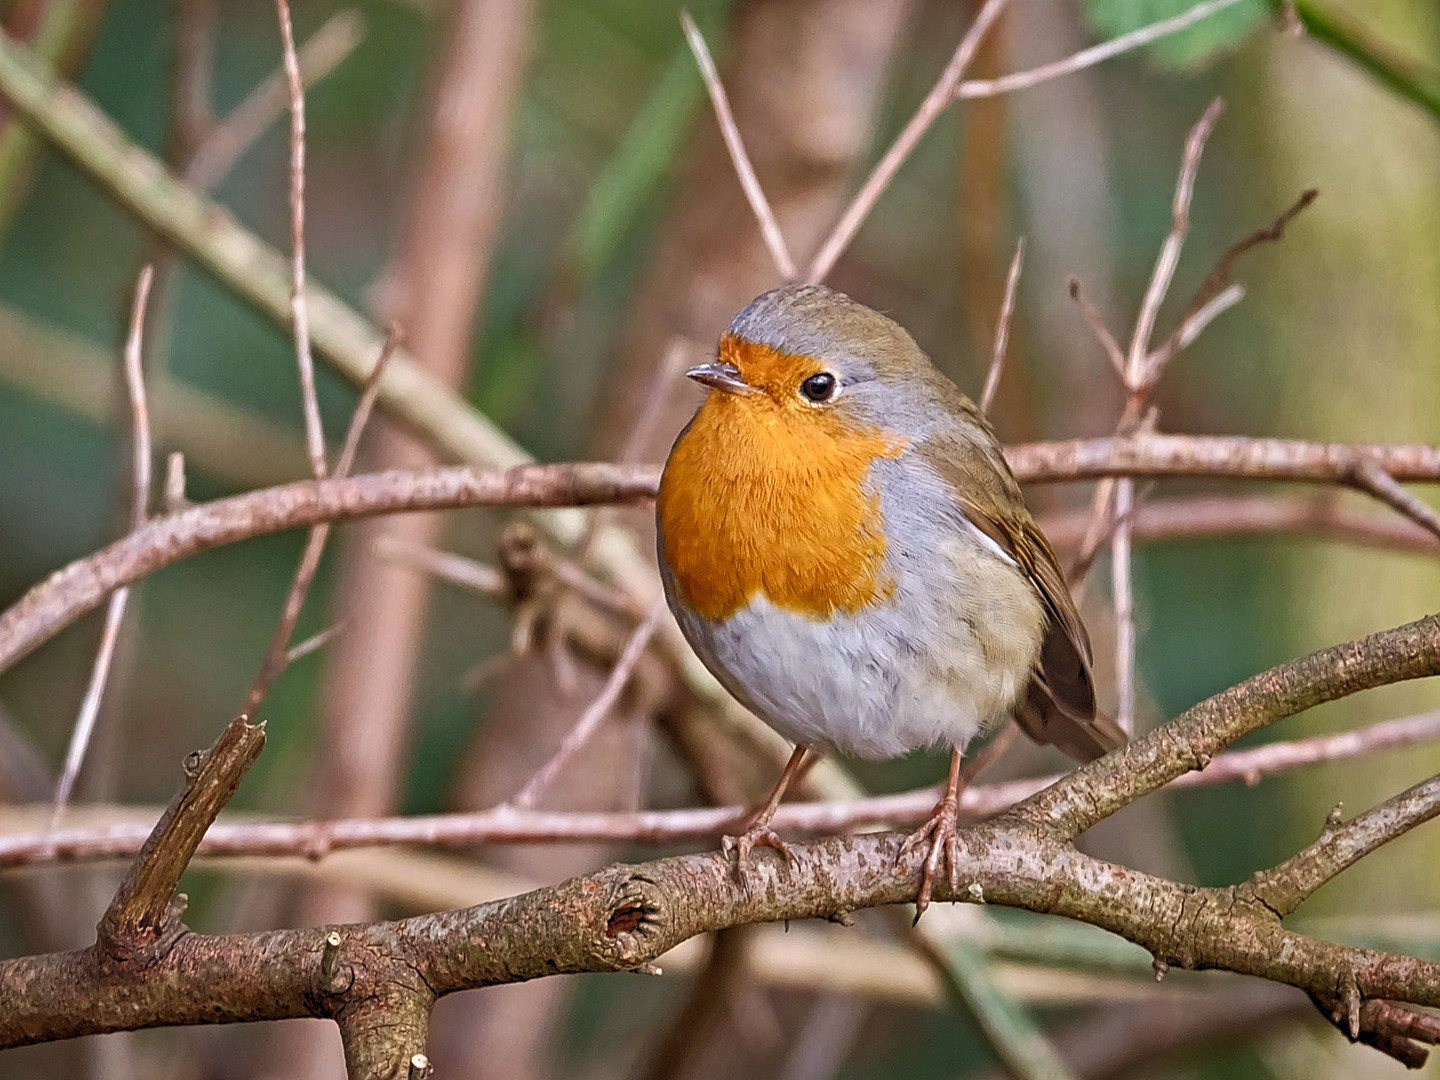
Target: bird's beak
(720, 376)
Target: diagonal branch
(1094, 792)
(1096, 54)
(1341, 845)
(141, 468)
(935, 103)
(744, 170)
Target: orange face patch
(765, 494)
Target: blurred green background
(1338, 338)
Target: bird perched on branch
(846, 549)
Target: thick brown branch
(141, 914)
(626, 916)
(1099, 789)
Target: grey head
(880, 373)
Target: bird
(845, 548)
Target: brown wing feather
(1059, 706)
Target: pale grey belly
(944, 657)
(892, 679)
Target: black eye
(818, 388)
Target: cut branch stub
(142, 912)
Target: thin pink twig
(319, 55)
(1002, 329)
(749, 182)
(596, 712)
(299, 308)
(889, 164)
(1096, 54)
(1169, 258)
(140, 474)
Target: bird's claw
(941, 831)
(755, 836)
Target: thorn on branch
(1335, 817)
(143, 913)
(1401, 1031)
(335, 978)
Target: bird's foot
(759, 834)
(941, 833)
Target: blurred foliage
(1200, 43)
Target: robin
(847, 551)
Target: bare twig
(319, 55)
(596, 712)
(1141, 372)
(506, 824)
(80, 587)
(1370, 476)
(144, 912)
(1212, 516)
(313, 643)
(1342, 845)
(1096, 322)
(1192, 326)
(1211, 298)
(278, 650)
(1169, 258)
(1002, 329)
(299, 307)
(1123, 599)
(1096, 54)
(889, 164)
(749, 182)
(455, 569)
(140, 474)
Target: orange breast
(762, 497)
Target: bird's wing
(1059, 706)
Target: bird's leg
(758, 832)
(941, 831)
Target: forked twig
(595, 712)
(299, 308)
(1370, 476)
(140, 477)
(935, 103)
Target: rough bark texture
(623, 917)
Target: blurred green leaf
(1222, 31)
